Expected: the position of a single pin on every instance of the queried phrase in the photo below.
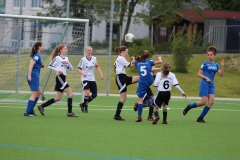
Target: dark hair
(118, 50)
(166, 68)
(56, 51)
(212, 49)
(144, 56)
(35, 48)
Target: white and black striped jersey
(87, 66)
(57, 65)
(120, 64)
(165, 83)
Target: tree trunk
(131, 7)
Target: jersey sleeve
(174, 79)
(157, 80)
(36, 58)
(152, 62)
(53, 64)
(218, 68)
(135, 62)
(203, 66)
(80, 65)
(96, 63)
(124, 62)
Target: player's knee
(57, 99)
(94, 96)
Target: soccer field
(97, 135)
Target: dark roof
(198, 16)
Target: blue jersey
(145, 70)
(37, 66)
(209, 70)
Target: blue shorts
(205, 90)
(142, 88)
(34, 83)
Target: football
(129, 37)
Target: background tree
(227, 5)
(98, 10)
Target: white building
(31, 7)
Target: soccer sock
(69, 104)
(35, 102)
(48, 103)
(140, 108)
(90, 99)
(150, 112)
(30, 106)
(204, 112)
(119, 108)
(156, 114)
(193, 105)
(164, 115)
(85, 102)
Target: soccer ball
(129, 37)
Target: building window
(17, 3)
(2, 3)
(37, 3)
(163, 31)
(36, 31)
(114, 33)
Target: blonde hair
(166, 68)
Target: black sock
(48, 103)
(164, 115)
(69, 104)
(90, 99)
(119, 108)
(156, 114)
(85, 103)
(150, 112)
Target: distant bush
(182, 49)
(136, 48)
(164, 47)
(7, 52)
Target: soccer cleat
(139, 119)
(186, 110)
(82, 107)
(164, 122)
(118, 118)
(41, 110)
(135, 108)
(86, 109)
(28, 115)
(156, 120)
(72, 115)
(32, 113)
(150, 118)
(201, 120)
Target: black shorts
(90, 85)
(61, 83)
(162, 97)
(148, 95)
(122, 81)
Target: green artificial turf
(97, 135)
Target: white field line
(125, 108)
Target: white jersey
(57, 65)
(120, 64)
(87, 66)
(165, 83)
